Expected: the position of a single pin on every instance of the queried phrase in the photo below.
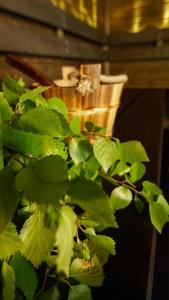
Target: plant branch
(117, 182)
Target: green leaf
(150, 190)
(9, 241)
(37, 239)
(50, 260)
(37, 100)
(92, 168)
(50, 294)
(33, 93)
(151, 187)
(1, 145)
(75, 170)
(44, 121)
(88, 223)
(87, 272)
(65, 238)
(60, 149)
(139, 205)
(158, 215)
(8, 197)
(95, 250)
(44, 181)
(162, 201)
(104, 242)
(90, 197)
(137, 171)
(12, 90)
(120, 168)
(89, 126)
(58, 105)
(5, 109)
(25, 276)
(28, 143)
(80, 149)
(8, 282)
(133, 151)
(81, 250)
(79, 291)
(21, 82)
(158, 206)
(75, 125)
(105, 152)
(99, 130)
(120, 197)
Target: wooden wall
(48, 39)
(143, 56)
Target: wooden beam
(24, 37)
(148, 36)
(138, 52)
(52, 67)
(44, 11)
(144, 74)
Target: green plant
(53, 206)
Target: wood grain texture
(43, 11)
(139, 52)
(22, 36)
(147, 36)
(143, 74)
(50, 67)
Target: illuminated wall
(119, 15)
(88, 11)
(137, 15)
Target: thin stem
(108, 178)
(67, 282)
(117, 182)
(94, 135)
(21, 163)
(43, 286)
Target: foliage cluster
(53, 204)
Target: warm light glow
(84, 10)
(127, 15)
(165, 20)
(137, 15)
(136, 27)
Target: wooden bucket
(88, 94)
(100, 109)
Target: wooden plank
(147, 36)
(139, 52)
(144, 74)
(18, 36)
(44, 11)
(50, 66)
